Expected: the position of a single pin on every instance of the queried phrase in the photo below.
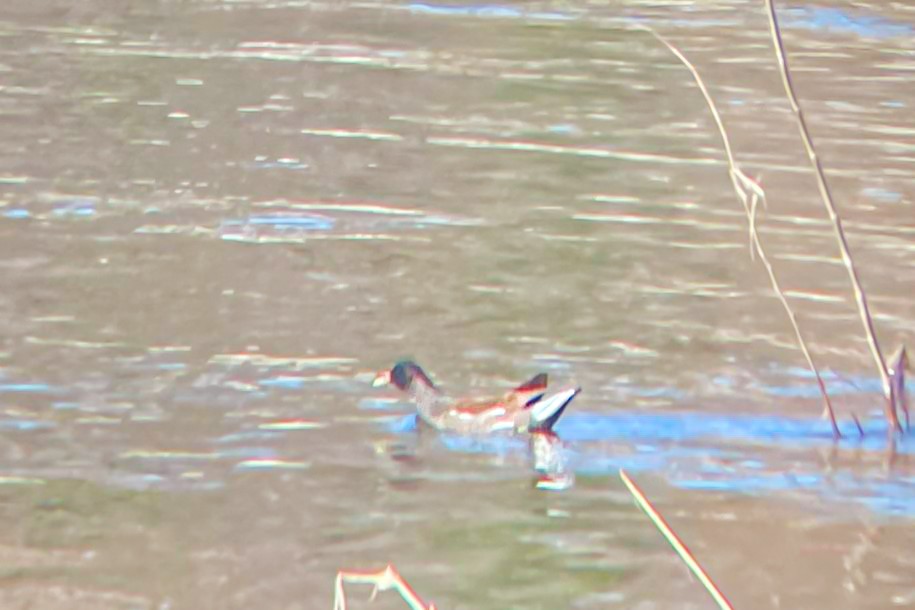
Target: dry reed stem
(684, 553)
(743, 185)
(826, 196)
(898, 392)
(382, 580)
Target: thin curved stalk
(750, 194)
(898, 365)
(826, 196)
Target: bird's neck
(426, 398)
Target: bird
(525, 409)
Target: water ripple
(579, 151)
(271, 464)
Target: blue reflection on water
(837, 384)
(402, 425)
(24, 387)
(633, 426)
(283, 381)
(646, 430)
(25, 425)
(847, 22)
(707, 452)
(496, 444)
(75, 210)
(380, 404)
(835, 20)
(486, 10)
(303, 221)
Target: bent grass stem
(382, 580)
(829, 203)
(750, 194)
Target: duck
(525, 409)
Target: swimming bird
(525, 409)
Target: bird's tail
(547, 411)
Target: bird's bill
(381, 379)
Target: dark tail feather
(537, 382)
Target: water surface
(217, 218)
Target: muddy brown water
(217, 218)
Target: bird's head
(403, 375)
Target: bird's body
(526, 408)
